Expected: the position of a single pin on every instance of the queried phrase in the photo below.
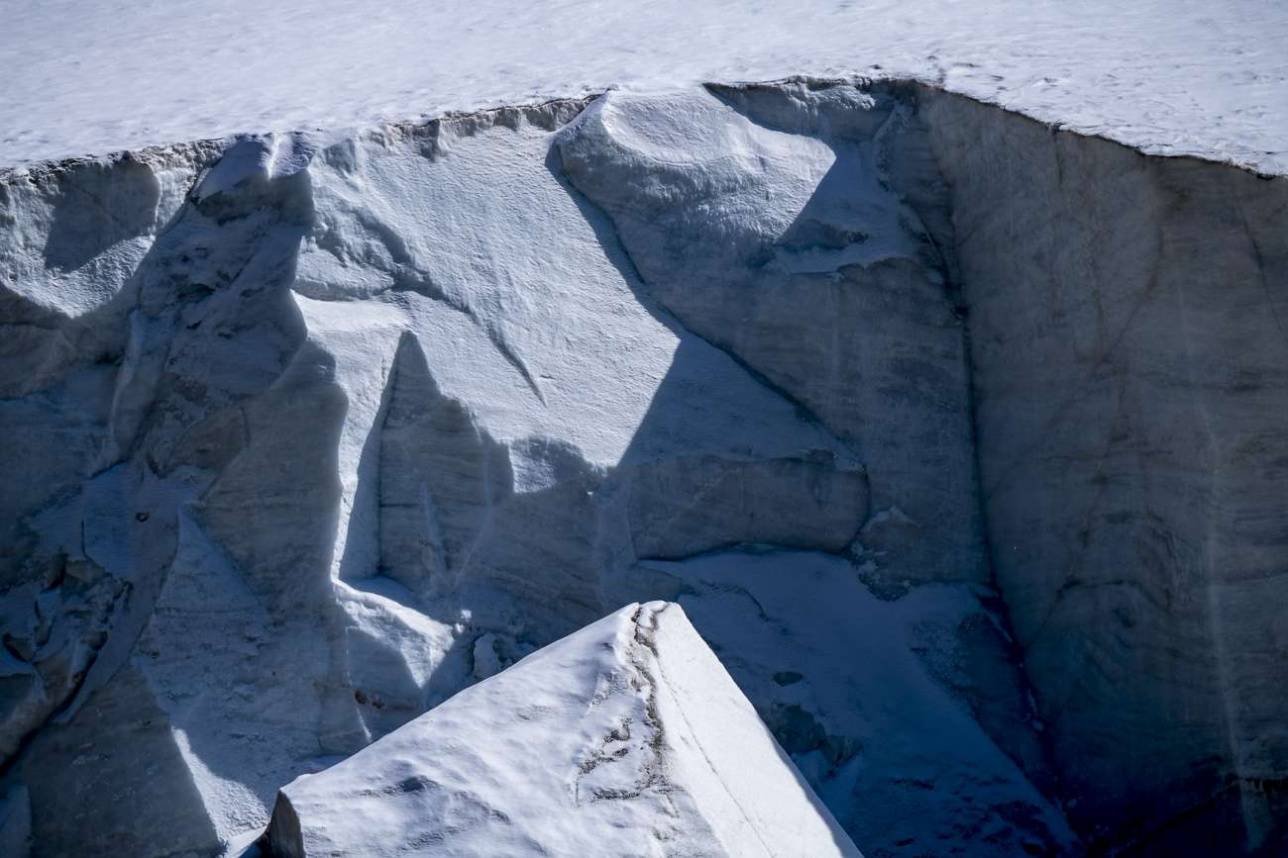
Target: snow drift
(957, 437)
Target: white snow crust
(625, 738)
(1169, 76)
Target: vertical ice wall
(922, 411)
(1129, 332)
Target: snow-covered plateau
(784, 469)
(1190, 77)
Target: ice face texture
(957, 438)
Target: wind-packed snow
(625, 738)
(1170, 76)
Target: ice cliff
(958, 438)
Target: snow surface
(1170, 76)
(624, 738)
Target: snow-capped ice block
(625, 738)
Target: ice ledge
(1170, 76)
(1267, 163)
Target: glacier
(956, 436)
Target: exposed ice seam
(954, 286)
(1261, 266)
(1216, 626)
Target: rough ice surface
(958, 439)
(625, 738)
(1169, 76)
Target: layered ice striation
(957, 438)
